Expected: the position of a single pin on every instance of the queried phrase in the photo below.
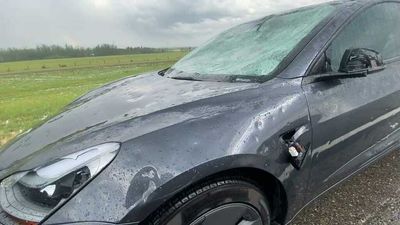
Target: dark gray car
(246, 129)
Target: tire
(224, 201)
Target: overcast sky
(153, 23)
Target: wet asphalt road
(369, 198)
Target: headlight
(32, 195)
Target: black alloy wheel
(224, 201)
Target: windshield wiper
(248, 78)
(162, 72)
(185, 78)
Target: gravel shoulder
(371, 197)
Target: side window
(378, 28)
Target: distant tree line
(68, 51)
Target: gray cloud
(156, 23)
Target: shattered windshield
(251, 49)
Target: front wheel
(230, 201)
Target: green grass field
(73, 63)
(31, 92)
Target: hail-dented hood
(103, 114)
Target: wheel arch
(268, 184)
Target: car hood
(144, 104)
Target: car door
(355, 119)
